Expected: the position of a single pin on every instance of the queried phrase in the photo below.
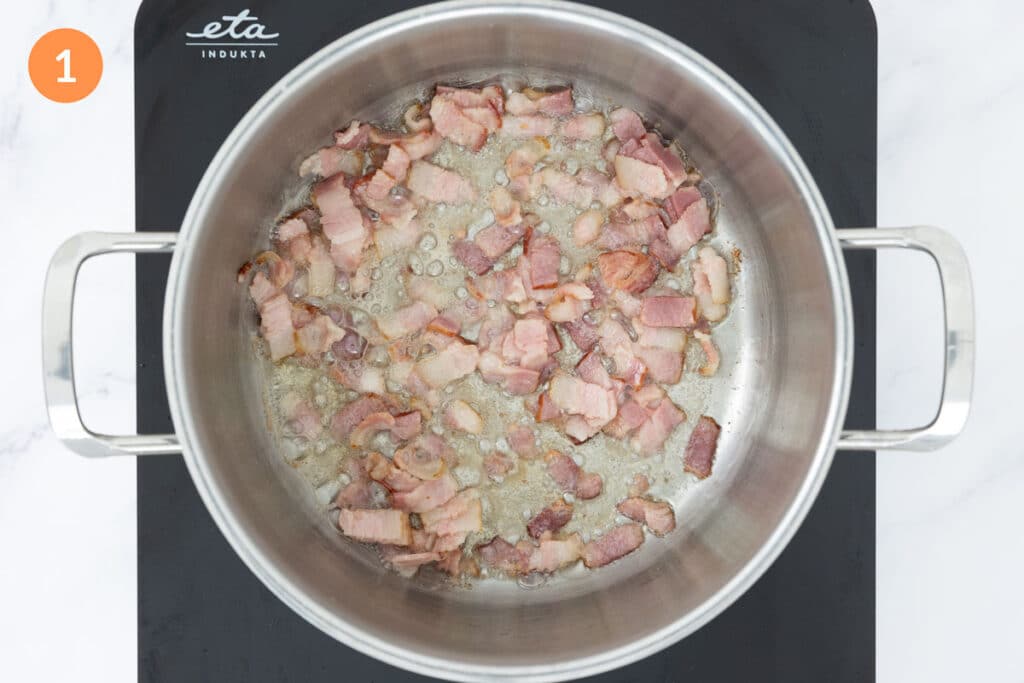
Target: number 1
(65, 57)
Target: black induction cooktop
(204, 617)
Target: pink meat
(700, 451)
(655, 515)
(631, 415)
(565, 189)
(421, 144)
(356, 136)
(380, 185)
(428, 495)
(668, 311)
(343, 224)
(491, 95)
(711, 284)
(497, 239)
(460, 416)
(570, 478)
(651, 150)
(501, 555)
(531, 101)
(617, 543)
(651, 435)
(498, 464)
(376, 526)
(584, 127)
(405, 321)
(591, 369)
(445, 325)
(679, 200)
(451, 363)
(577, 397)
(587, 227)
(582, 333)
(330, 160)
(550, 519)
(506, 209)
(640, 485)
(397, 163)
(302, 419)
(275, 311)
(438, 184)
(522, 160)
(603, 188)
(463, 513)
(346, 419)
(711, 355)
(629, 271)
(663, 365)
(528, 126)
(523, 441)
(692, 224)
(407, 564)
(641, 178)
(318, 336)
(546, 410)
(626, 124)
(487, 116)
(553, 554)
(472, 256)
(451, 122)
(544, 255)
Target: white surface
(950, 600)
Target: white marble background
(950, 546)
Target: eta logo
(241, 26)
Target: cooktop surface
(203, 616)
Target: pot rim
(672, 51)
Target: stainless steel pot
(782, 400)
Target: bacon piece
(350, 415)
(550, 519)
(497, 239)
(583, 333)
(639, 486)
(351, 347)
(587, 227)
(421, 459)
(397, 163)
(668, 311)
(546, 410)
(429, 495)
(544, 255)
(451, 122)
(376, 526)
(517, 381)
(451, 363)
(275, 311)
(651, 435)
(528, 126)
(407, 564)
(487, 116)
(438, 184)
(553, 554)
(640, 178)
(318, 336)
(565, 189)
(506, 209)
(401, 427)
(590, 369)
(603, 188)
(711, 355)
(527, 344)
(570, 478)
(691, 224)
(523, 441)
(330, 160)
(463, 513)
(406, 321)
(577, 397)
(711, 284)
(583, 127)
(615, 544)
(501, 555)
(358, 376)
(569, 302)
(626, 124)
(320, 271)
(700, 451)
(531, 101)
(676, 203)
(629, 271)
(343, 224)
(655, 515)
(356, 136)
(460, 416)
(472, 256)
(302, 420)
(663, 365)
(650, 150)
(498, 464)
(522, 160)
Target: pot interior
(777, 394)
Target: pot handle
(58, 370)
(958, 309)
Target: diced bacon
(522, 160)
(451, 122)
(583, 333)
(276, 325)
(676, 203)
(587, 227)
(397, 163)
(350, 415)
(330, 160)
(475, 97)
(351, 347)
(457, 565)
(407, 564)
(380, 185)
(577, 397)
(669, 338)
(565, 188)
(449, 364)
(523, 441)
(497, 239)
(463, 513)
(711, 355)
(460, 416)
(407, 425)
(356, 136)
(544, 255)
(626, 124)
(604, 188)
(639, 177)
(401, 428)
(569, 302)
(553, 554)
(700, 451)
(445, 325)
(428, 495)
(318, 336)
(630, 416)
(421, 144)
(438, 184)
(321, 271)
(498, 464)
(472, 256)
(376, 526)
(692, 224)
(668, 311)
(629, 271)
(711, 284)
(655, 515)
(591, 369)
(550, 519)
(651, 435)
(417, 119)
(527, 345)
(302, 420)
(531, 101)
(406, 321)
(570, 478)
(421, 459)
(292, 228)
(343, 223)
(650, 150)
(640, 485)
(527, 126)
(615, 544)
(501, 555)
(517, 381)
(584, 127)
(662, 365)
(506, 209)
(486, 116)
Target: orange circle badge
(65, 65)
